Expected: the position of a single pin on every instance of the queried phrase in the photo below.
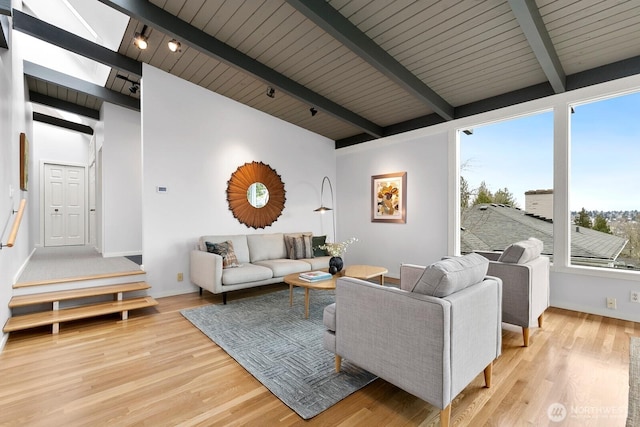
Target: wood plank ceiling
(467, 52)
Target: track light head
(174, 45)
(135, 86)
(313, 111)
(271, 92)
(140, 40)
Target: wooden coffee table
(358, 271)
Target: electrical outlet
(611, 303)
(180, 277)
(635, 296)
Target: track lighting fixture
(174, 45)
(313, 111)
(135, 86)
(140, 40)
(271, 92)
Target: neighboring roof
(494, 227)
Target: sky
(605, 155)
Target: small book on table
(314, 276)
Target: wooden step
(54, 317)
(77, 279)
(47, 297)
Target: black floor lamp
(322, 209)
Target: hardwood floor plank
(157, 369)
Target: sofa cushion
(239, 244)
(329, 317)
(522, 252)
(282, 267)
(318, 263)
(266, 246)
(319, 241)
(298, 247)
(452, 275)
(246, 274)
(225, 250)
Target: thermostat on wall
(161, 189)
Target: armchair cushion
(522, 252)
(451, 275)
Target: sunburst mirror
(256, 195)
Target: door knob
(55, 210)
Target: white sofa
(263, 260)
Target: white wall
(423, 239)
(15, 117)
(193, 140)
(56, 145)
(121, 195)
(428, 156)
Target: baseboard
(119, 254)
(614, 314)
(3, 341)
(22, 267)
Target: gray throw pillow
(522, 252)
(299, 247)
(452, 275)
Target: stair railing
(16, 224)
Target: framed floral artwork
(389, 198)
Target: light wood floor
(157, 369)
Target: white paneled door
(64, 201)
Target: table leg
(382, 280)
(306, 303)
(290, 295)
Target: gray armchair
(525, 283)
(431, 338)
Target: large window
(506, 182)
(605, 183)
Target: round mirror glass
(258, 195)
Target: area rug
(282, 349)
(633, 414)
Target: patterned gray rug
(633, 414)
(282, 349)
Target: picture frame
(389, 198)
(24, 161)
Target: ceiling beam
(531, 23)
(55, 77)
(55, 121)
(5, 7)
(39, 29)
(617, 70)
(333, 22)
(169, 24)
(59, 104)
(4, 32)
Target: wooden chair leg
(540, 320)
(445, 416)
(488, 371)
(525, 336)
(338, 362)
